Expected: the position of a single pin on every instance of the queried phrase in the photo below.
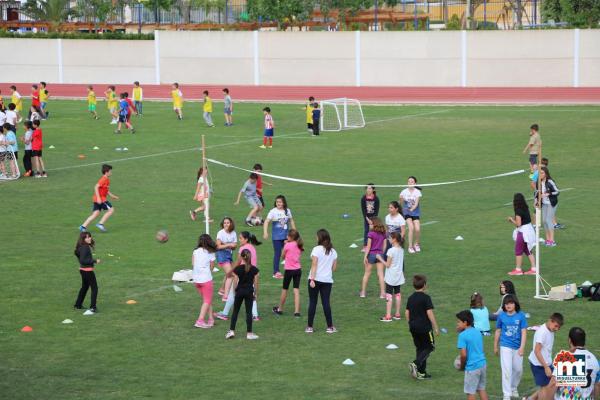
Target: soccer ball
(457, 362)
(35, 116)
(162, 236)
(257, 221)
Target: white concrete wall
(108, 61)
(560, 58)
(28, 60)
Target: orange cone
(26, 328)
(81, 156)
(131, 302)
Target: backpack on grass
(595, 292)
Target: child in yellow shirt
(177, 100)
(207, 110)
(112, 103)
(15, 98)
(309, 113)
(91, 98)
(44, 95)
(138, 97)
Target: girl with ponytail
(245, 277)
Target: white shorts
(253, 201)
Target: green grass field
(151, 350)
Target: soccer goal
(340, 114)
(9, 168)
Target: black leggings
(313, 296)
(246, 297)
(27, 161)
(88, 279)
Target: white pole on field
(206, 192)
(538, 215)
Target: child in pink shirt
(292, 250)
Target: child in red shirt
(36, 105)
(101, 190)
(259, 183)
(36, 151)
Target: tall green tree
(581, 13)
(53, 11)
(157, 5)
(552, 10)
(98, 11)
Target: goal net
(9, 168)
(340, 114)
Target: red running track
(419, 95)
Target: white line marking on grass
(429, 223)
(531, 199)
(214, 146)
(408, 116)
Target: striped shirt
(268, 121)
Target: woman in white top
(410, 199)
(203, 261)
(320, 279)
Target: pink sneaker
(530, 272)
(211, 322)
(201, 324)
(411, 250)
(516, 271)
(221, 316)
(417, 248)
(256, 319)
(278, 275)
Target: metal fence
(501, 14)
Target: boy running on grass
(269, 129)
(112, 103)
(422, 325)
(124, 115)
(101, 190)
(91, 98)
(177, 97)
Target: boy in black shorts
(101, 190)
(422, 325)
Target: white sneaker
(113, 122)
(230, 335)
(251, 336)
(411, 250)
(515, 393)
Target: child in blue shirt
(511, 334)
(481, 315)
(472, 357)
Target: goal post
(341, 114)
(9, 167)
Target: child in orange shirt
(101, 190)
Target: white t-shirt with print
(410, 196)
(546, 338)
(577, 392)
(394, 223)
(324, 272)
(227, 237)
(394, 275)
(202, 259)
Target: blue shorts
(102, 206)
(533, 159)
(227, 110)
(224, 256)
(269, 132)
(539, 376)
(372, 258)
